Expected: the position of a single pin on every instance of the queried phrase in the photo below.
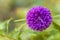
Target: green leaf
(56, 26)
(4, 27)
(16, 32)
(28, 34)
(56, 22)
(5, 37)
(23, 30)
(54, 37)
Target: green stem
(19, 20)
(25, 19)
(21, 27)
(8, 24)
(56, 16)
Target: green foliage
(21, 31)
(56, 22)
(5, 37)
(4, 26)
(54, 37)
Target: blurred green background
(14, 27)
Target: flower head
(39, 18)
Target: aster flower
(38, 18)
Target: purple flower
(39, 18)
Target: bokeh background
(13, 25)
